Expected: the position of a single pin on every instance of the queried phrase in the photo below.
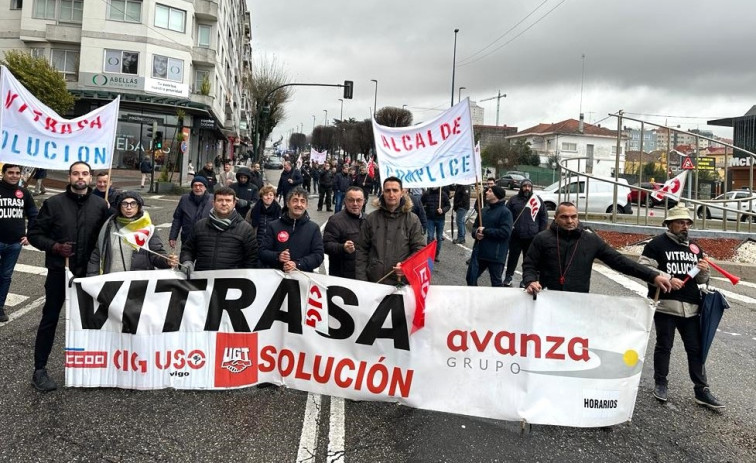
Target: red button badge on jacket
(19, 194)
(283, 236)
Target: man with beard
(191, 208)
(246, 191)
(530, 218)
(293, 242)
(561, 257)
(290, 179)
(66, 230)
(257, 177)
(16, 207)
(223, 240)
(674, 254)
(341, 232)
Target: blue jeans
(436, 231)
(338, 200)
(461, 212)
(8, 257)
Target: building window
(67, 63)
(17, 4)
(71, 10)
(44, 9)
(170, 18)
(38, 52)
(203, 35)
(125, 10)
(569, 146)
(167, 68)
(199, 77)
(122, 62)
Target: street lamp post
(341, 114)
(313, 122)
(454, 65)
(459, 94)
(325, 119)
(375, 98)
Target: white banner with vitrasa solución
(32, 134)
(436, 153)
(566, 359)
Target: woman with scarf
(264, 212)
(120, 241)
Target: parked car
(598, 192)
(632, 197)
(273, 163)
(738, 199)
(511, 181)
(517, 172)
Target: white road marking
(336, 451)
(13, 299)
(741, 282)
(21, 312)
(30, 248)
(33, 269)
(164, 225)
(308, 441)
(736, 296)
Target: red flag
(417, 269)
(371, 169)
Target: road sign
(687, 163)
(184, 147)
(707, 163)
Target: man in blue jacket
(293, 242)
(192, 207)
(491, 239)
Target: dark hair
(70, 168)
(565, 204)
(297, 191)
(393, 179)
(490, 179)
(355, 188)
(224, 191)
(8, 166)
(102, 174)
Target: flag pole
(112, 147)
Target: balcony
(203, 56)
(63, 33)
(206, 10)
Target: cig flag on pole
(316, 311)
(34, 135)
(672, 188)
(435, 153)
(317, 156)
(534, 203)
(417, 269)
(138, 233)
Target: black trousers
(55, 296)
(325, 192)
(690, 332)
(517, 246)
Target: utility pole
(498, 103)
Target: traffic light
(348, 89)
(158, 140)
(151, 129)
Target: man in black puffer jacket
(246, 191)
(341, 233)
(523, 206)
(326, 187)
(191, 208)
(293, 242)
(224, 240)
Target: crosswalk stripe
(33, 269)
(13, 299)
(26, 309)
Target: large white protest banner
(32, 134)
(566, 359)
(318, 156)
(438, 152)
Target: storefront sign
(141, 119)
(111, 81)
(166, 87)
(206, 123)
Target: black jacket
(462, 197)
(326, 178)
(497, 228)
(101, 260)
(260, 216)
(524, 226)
(68, 217)
(189, 211)
(283, 184)
(341, 182)
(212, 180)
(246, 193)
(213, 249)
(341, 227)
(573, 254)
(16, 204)
(430, 203)
(301, 237)
(419, 211)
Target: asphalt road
(278, 424)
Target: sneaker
(42, 382)
(660, 392)
(707, 399)
(507, 282)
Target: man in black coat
(341, 182)
(191, 208)
(341, 232)
(290, 179)
(66, 230)
(223, 240)
(209, 173)
(525, 226)
(293, 242)
(325, 187)
(245, 190)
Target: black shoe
(437, 260)
(707, 399)
(42, 382)
(660, 392)
(507, 282)
(3, 316)
(329, 210)
(320, 209)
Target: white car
(598, 193)
(738, 199)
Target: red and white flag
(672, 188)
(316, 311)
(371, 168)
(417, 269)
(535, 205)
(299, 161)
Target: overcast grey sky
(688, 60)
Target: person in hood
(246, 191)
(388, 236)
(223, 240)
(66, 230)
(530, 218)
(119, 242)
(265, 211)
(191, 208)
(16, 207)
(293, 242)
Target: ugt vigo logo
(235, 359)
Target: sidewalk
(122, 179)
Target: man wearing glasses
(341, 232)
(66, 230)
(16, 206)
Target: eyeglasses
(129, 204)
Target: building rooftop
(569, 127)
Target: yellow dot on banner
(630, 357)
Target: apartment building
(167, 59)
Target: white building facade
(168, 60)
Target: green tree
(498, 155)
(390, 116)
(324, 138)
(297, 141)
(265, 76)
(41, 79)
(524, 155)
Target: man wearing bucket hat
(683, 261)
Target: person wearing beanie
(683, 262)
(530, 218)
(119, 246)
(192, 207)
(491, 239)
